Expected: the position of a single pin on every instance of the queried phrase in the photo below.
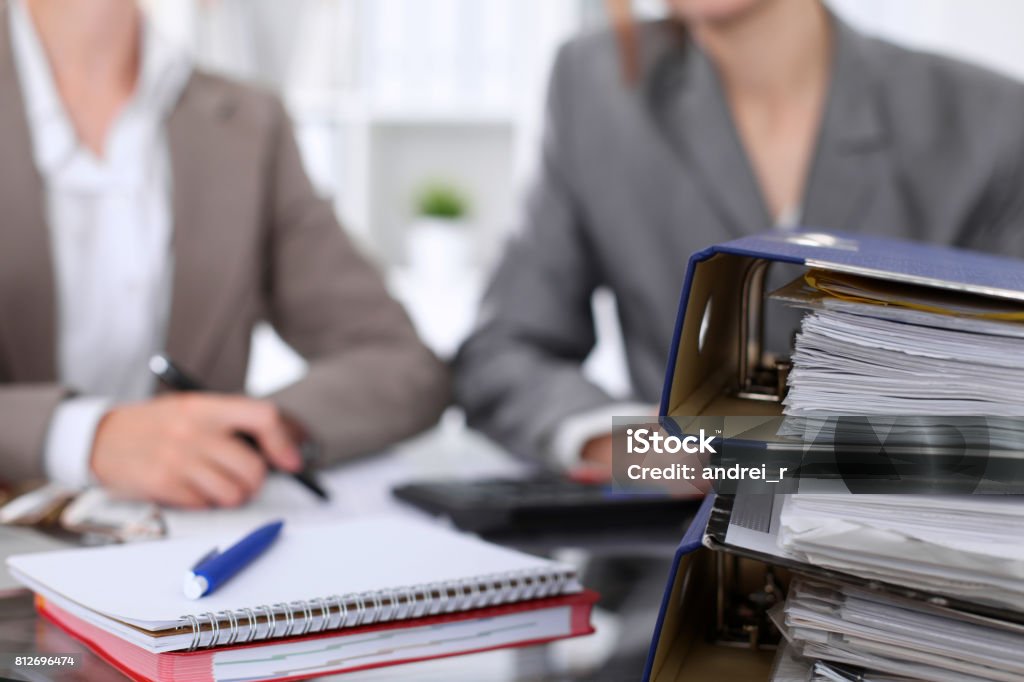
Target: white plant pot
(439, 248)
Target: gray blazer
(252, 241)
(635, 179)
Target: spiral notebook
(315, 579)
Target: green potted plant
(440, 239)
(443, 201)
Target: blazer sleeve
(519, 375)
(371, 382)
(25, 412)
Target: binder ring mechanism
(336, 612)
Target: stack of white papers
(854, 363)
(879, 633)
(967, 547)
(924, 353)
(911, 358)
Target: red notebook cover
(140, 664)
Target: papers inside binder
(881, 348)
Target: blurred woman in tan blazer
(149, 207)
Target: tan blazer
(252, 242)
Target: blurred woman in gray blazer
(730, 117)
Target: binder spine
(337, 612)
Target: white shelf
(387, 95)
(349, 108)
(452, 117)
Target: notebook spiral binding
(312, 616)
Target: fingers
(180, 493)
(218, 472)
(590, 473)
(217, 488)
(595, 465)
(236, 460)
(183, 449)
(261, 420)
(272, 435)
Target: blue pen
(216, 567)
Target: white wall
(988, 32)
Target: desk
(364, 488)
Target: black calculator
(501, 506)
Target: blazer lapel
(28, 325)
(203, 161)
(844, 167)
(690, 108)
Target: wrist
(71, 438)
(98, 441)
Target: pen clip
(206, 557)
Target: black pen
(172, 376)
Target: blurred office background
(392, 97)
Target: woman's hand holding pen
(595, 460)
(183, 450)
